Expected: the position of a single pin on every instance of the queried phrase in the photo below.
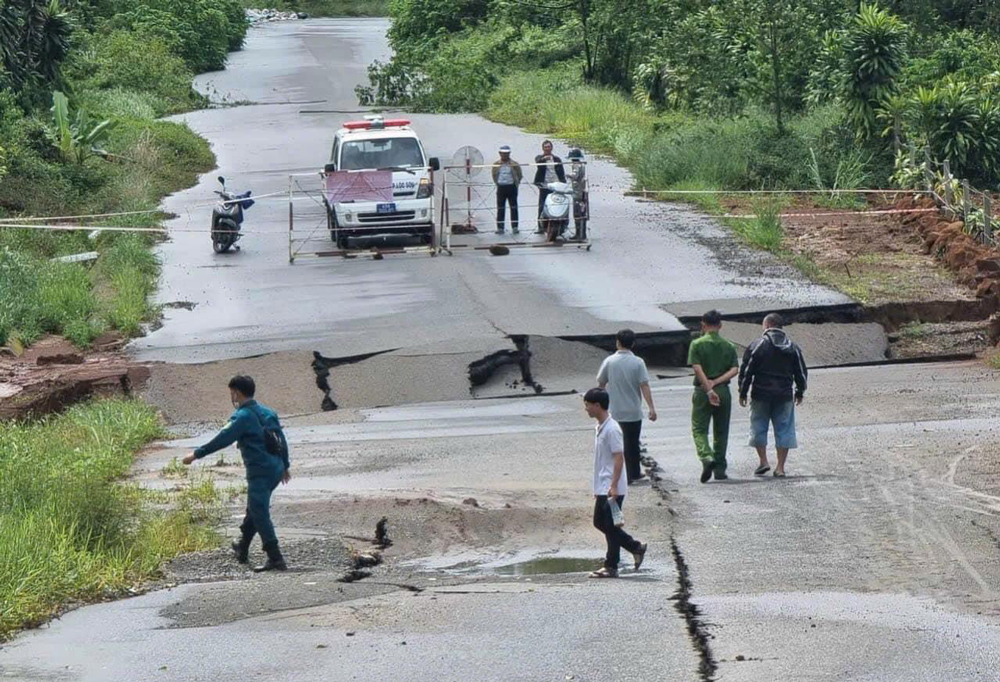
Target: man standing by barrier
(771, 365)
(627, 380)
(578, 178)
(549, 169)
(257, 433)
(610, 486)
(714, 361)
(506, 176)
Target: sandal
(604, 573)
(779, 474)
(761, 470)
(640, 555)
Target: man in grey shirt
(627, 380)
(506, 176)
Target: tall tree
(34, 40)
(874, 56)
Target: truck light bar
(377, 124)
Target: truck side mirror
(435, 163)
(330, 168)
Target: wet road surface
(876, 559)
(648, 261)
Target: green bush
(236, 23)
(419, 25)
(198, 31)
(119, 103)
(133, 62)
(557, 103)
(967, 55)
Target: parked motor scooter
(556, 209)
(227, 217)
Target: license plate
(385, 208)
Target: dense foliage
(887, 72)
(82, 83)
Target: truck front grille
(396, 217)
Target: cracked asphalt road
(877, 559)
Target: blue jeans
(781, 413)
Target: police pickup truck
(378, 144)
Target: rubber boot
(275, 562)
(241, 548)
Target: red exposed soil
(53, 374)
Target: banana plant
(80, 139)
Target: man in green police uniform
(714, 362)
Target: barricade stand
(310, 229)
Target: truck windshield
(392, 152)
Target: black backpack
(274, 440)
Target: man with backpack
(257, 433)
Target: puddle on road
(548, 566)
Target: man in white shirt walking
(627, 380)
(609, 485)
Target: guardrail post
(928, 173)
(965, 201)
(987, 218)
(948, 194)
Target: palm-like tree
(34, 40)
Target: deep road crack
(692, 616)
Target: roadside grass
(764, 230)
(993, 361)
(710, 156)
(70, 529)
(174, 469)
(325, 8)
(556, 102)
(914, 330)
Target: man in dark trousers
(772, 365)
(625, 376)
(714, 362)
(506, 177)
(609, 485)
(246, 428)
(550, 169)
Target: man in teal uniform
(264, 470)
(714, 362)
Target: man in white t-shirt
(610, 483)
(625, 376)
